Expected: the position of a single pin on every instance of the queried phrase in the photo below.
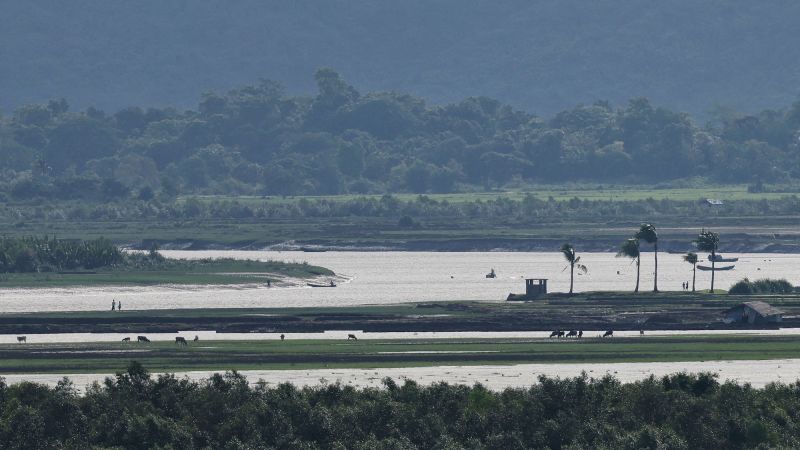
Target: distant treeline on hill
(258, 140)
(133, 411)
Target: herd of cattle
(180, 340)
(579, 334)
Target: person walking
(113, 304)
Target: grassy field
(587, 311)
(310, 354)
(218, 272)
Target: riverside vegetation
(133, 410)
(45, 261)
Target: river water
(399, 277)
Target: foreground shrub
(133, 410)
(763, 286)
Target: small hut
(753, 313)
(534, 288)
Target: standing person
(113, 304)
(119, 305)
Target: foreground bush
(763, 286)
(135, 411)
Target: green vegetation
(763, 286)
(45, 262)
(310, 354)
(257, 140)
(134, 410)
(514, 220)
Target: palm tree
(574, 261)
(691, 258)
(647, 232)
(708, 241)
(630, 248)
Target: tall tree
(647, 232)
(691, 258)
(708, 241)
(574, 261)
(630, 249)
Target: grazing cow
(180, 340)
(572, 333)
(283, 336)
(580, 334)
(126, 339)
(641, 332)
(22, 339)
(352, 336)
(609, 333)
(196, 338)
(142, 339)
(554, 334)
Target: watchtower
(535, 287)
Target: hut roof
(762, 308)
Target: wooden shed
(753, 313)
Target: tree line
(134, 410)
(259, 140)
(46, 254)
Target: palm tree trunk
(713, 270)
(655, 280)
(571, 276)
(638, 265)
(694, 274)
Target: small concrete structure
(534, 288)
(753, 313)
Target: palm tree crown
(630, 249)
(647, 232)
(574, 261)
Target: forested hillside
(258, 140)
(542, 56)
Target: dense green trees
(33, 254)
(259, 140)
(133, 410)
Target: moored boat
(699, 267)
(720, 258)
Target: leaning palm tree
(574, 261)
(691, 258)
(630, 248)
(647, 232)
(708, 241)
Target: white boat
(720, 258)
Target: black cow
(352, 336)
(22, 339)
(142, 339)
(126, 339)
(180, 340)
(609, 333)
(572, 333)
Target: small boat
(720, 258)
(491, 274)
(699, 267)
(330, 285)
(313, 249)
